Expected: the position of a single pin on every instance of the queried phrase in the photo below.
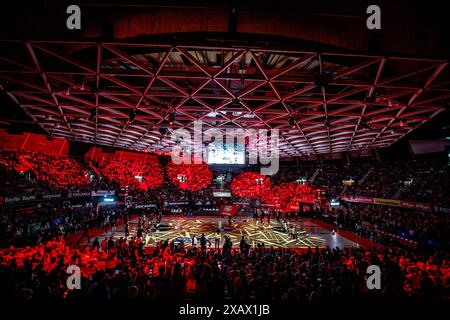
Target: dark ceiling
(316, 74)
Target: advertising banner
(386, 202)
(176, 203)
(242, 203)
(43, 197)
(416, 205)
(51, 196)
(100, 193)
(392, 203)
(229, 210)
(79, 194)
(145, 206)
(358, 199)
(441, 209)
(12, 199)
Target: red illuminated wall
(34, 142)
(97, 152)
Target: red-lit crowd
(43, 223)
(420, 180)
(122, 270)
(27, 171)
(136, 174)
(397, 226)
(33, 264)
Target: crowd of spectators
(168, 192)
(33, 263)
(381, 223)
(47, 221)
(132, 173)
(293, 173)
(121, 270)
(418, 180)
(431, 184)
(331, 175)
(26, 171)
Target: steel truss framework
(124, 94)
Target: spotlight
(322, 79)
(291, 121)
(392, 103)
(363, 124)
(371, 99)
(171, 118)
(67, 91)
(162, 131)
(80, 83)
(93, 116)
(132, 115)
(101, 85)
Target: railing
(315, 174)
(364, 177)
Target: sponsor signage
(145, 205)
(386, 202)
(51, 196)
(28, 198)
(441, 209)
(271, 205)
(101, 193)
(242, 203)
(20, 199)
(79, 194)
(393, 203)
(202, 203)
(416, 205)
(13, 199)
(348, 182)
(222, 194)
(176, 203)
(358, 199)
(109, 203)
(40, 197)
(229, 210)
(335, 203)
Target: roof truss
(337, 101)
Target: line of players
(293, 230)
(149, 222)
